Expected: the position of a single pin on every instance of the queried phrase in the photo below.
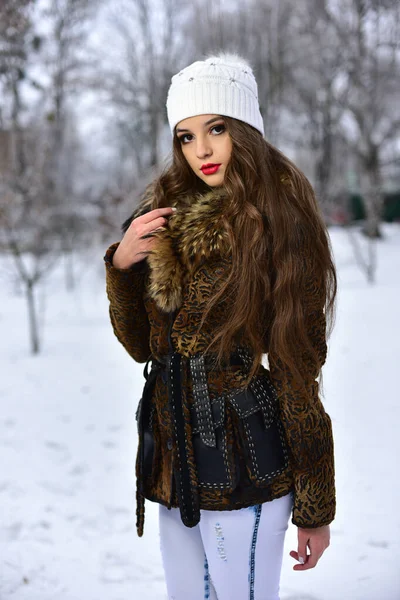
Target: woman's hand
(134, 246)
(317, 539)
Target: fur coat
(177, 278)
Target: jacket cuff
(139, 267)
(318, 482)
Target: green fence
(391, 207)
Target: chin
(214, 183)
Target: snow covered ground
(68, 443)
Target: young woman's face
(205, 141)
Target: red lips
(210, 169)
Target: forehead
(198, 121)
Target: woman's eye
(181, 139)
(220, 126)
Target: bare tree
(136, 76)
(369, 33)
(67, 65)
(270, 44)
(15, 31)
(18, 182)
(39, 212)
(26, 222)
(315, 67)
(259, 31)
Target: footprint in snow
(7, 438)
(114, 427)
(109, 444)
(115, 568)
(39, 530)
(11, 488)
(80, 469)
(89, 528)
(378, 543)
(58, 489)
(119, 518)
(4, 485)
(72, 517)
(11, 532)
(60, 451)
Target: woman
(226, 259)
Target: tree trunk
(33, 322)
(69, 271)
(373, 198)
(154, 137)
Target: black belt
(171, 365)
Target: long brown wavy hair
(280, 247)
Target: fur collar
(193, 234)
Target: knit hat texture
(223, 84)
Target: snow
(68, 443)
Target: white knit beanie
(223, 85)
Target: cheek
(189, 158)
(230, 147)
(226, 149)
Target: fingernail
(173, 208)
(301, 560)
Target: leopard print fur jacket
(190, 256)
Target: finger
(142, 253)
(294, 554)
(145, 248)
(144, 230)
(154, 214)
(302, 548)
(310, 562)
(151, 233)
(302, 560)
(160, 228)
(299, 567)
(317, 548)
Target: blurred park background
(83, 123)
(83, 129)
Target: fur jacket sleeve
(125, 289)
(307, 425)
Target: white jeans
(228, 555)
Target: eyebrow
(205, 124)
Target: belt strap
(142, 414)
(202, 401)
(199, 365)
(188, 497)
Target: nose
(203, 147)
